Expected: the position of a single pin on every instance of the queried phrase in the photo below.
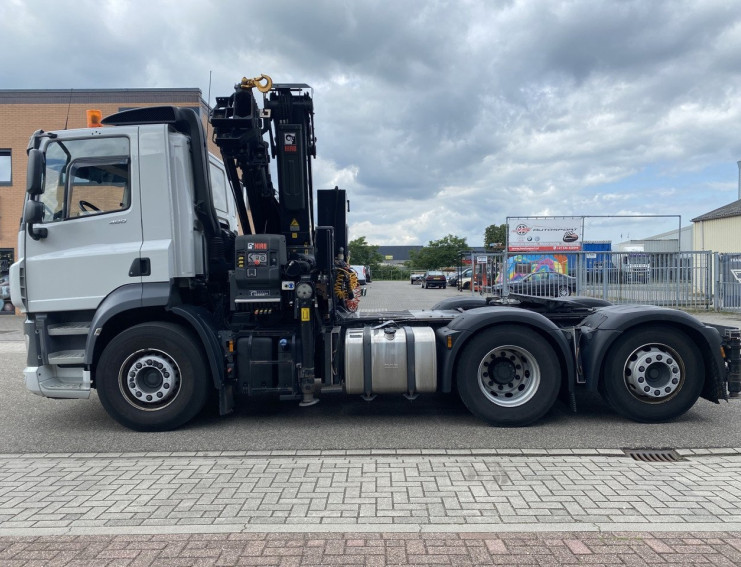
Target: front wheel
(508, 376)
(152, 377)
(652, 374)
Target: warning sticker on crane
(289, 141)
(295, 226)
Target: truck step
(67, 357)
(73, 328)
(58, 386)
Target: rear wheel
(652, 374)
(508, 376)
(152, 377)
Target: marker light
(93, 118)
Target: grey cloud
(435, 112)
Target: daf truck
(165, 278)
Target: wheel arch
(474, 321)
(605, 327)
(130, 306)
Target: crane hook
(257, 83)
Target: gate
(728, 297)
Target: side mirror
(35, 172)
(33, 212)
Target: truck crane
(158, 275)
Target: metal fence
(690, 280)
(728, 284)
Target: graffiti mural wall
(523, 264)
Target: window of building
(5, 169)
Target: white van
(360, 271)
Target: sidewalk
(378, 549)
(370, 508)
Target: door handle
(140, 267)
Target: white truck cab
(114, 208)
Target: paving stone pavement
(373, 549)
(370, 508)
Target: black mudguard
(460, 303)
(125, 298)
(601, 329)
(472, 321)
(134, 297)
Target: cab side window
(86, 177)
(98, 186)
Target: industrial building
(719, 230)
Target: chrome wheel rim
(509, 376)
(654, 373)
(150, 379)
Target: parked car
(360, 271)
(551, 284)
(416, 278)
(433, 278)
(455, 278)
(4, 288)
(5, 305)
(460, 278)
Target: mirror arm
(37, 233)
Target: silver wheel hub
(150, 379)
(653, 371)
(509, 376)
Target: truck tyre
(152, 377)
(508, 376)
(652, 374)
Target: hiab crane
(155, 273)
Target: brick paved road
(357, 507)
(78, 494)
(375, 549)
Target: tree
(495, 237)
(441, 253)
(364, 254)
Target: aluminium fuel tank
(390, 360)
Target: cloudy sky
(444, 117)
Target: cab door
(92, 219)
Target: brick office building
(24, 111)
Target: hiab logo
(257, 246)
(289, 141)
